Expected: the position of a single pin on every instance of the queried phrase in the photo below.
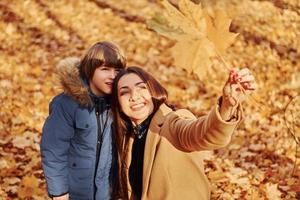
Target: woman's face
(134, 98)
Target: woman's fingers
(242, 77)
(233, 75)
(240, 83)
(248, 85)
(246, 78)
(243, 72)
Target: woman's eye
(143, 87)
(123, 93)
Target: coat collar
(152, 140)
(159, 117)
(71, 82)
(153, 137)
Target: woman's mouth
(138, 106)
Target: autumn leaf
(218, 29)
(199, 51)
(295, 187)
(29, 187)
(37, 34)
(253, 194)
(159, 22)
(217, 176)
(189, 18)
(272, 192)
(201, 34)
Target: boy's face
(102, 81)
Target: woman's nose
(135, 95)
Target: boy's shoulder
(65, 101)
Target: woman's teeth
(137, 106)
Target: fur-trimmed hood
(71, 82)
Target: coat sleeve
(205, 133)
(57, 132)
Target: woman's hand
(239, 84)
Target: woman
(160, 149)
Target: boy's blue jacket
(69, 140)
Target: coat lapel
(152, 140)
(127, 164)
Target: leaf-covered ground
(261, 161)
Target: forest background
(261, 162)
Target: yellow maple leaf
(198, 52)
(161, 27)
(194, 13)
(179, 19)
(218, 29)
(201, 34)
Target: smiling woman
(159, 149)
(135, 98)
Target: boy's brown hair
(101, 54)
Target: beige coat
(173, 161)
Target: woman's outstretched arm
(214, 130)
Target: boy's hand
(63, 197)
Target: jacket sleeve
(57, 132)
(205, 133)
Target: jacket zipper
(99, 144)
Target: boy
(77, 145)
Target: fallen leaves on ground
(261, 162)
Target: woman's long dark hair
(121, 121)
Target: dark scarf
(136, 165)
(141, 129)
(101, 103)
